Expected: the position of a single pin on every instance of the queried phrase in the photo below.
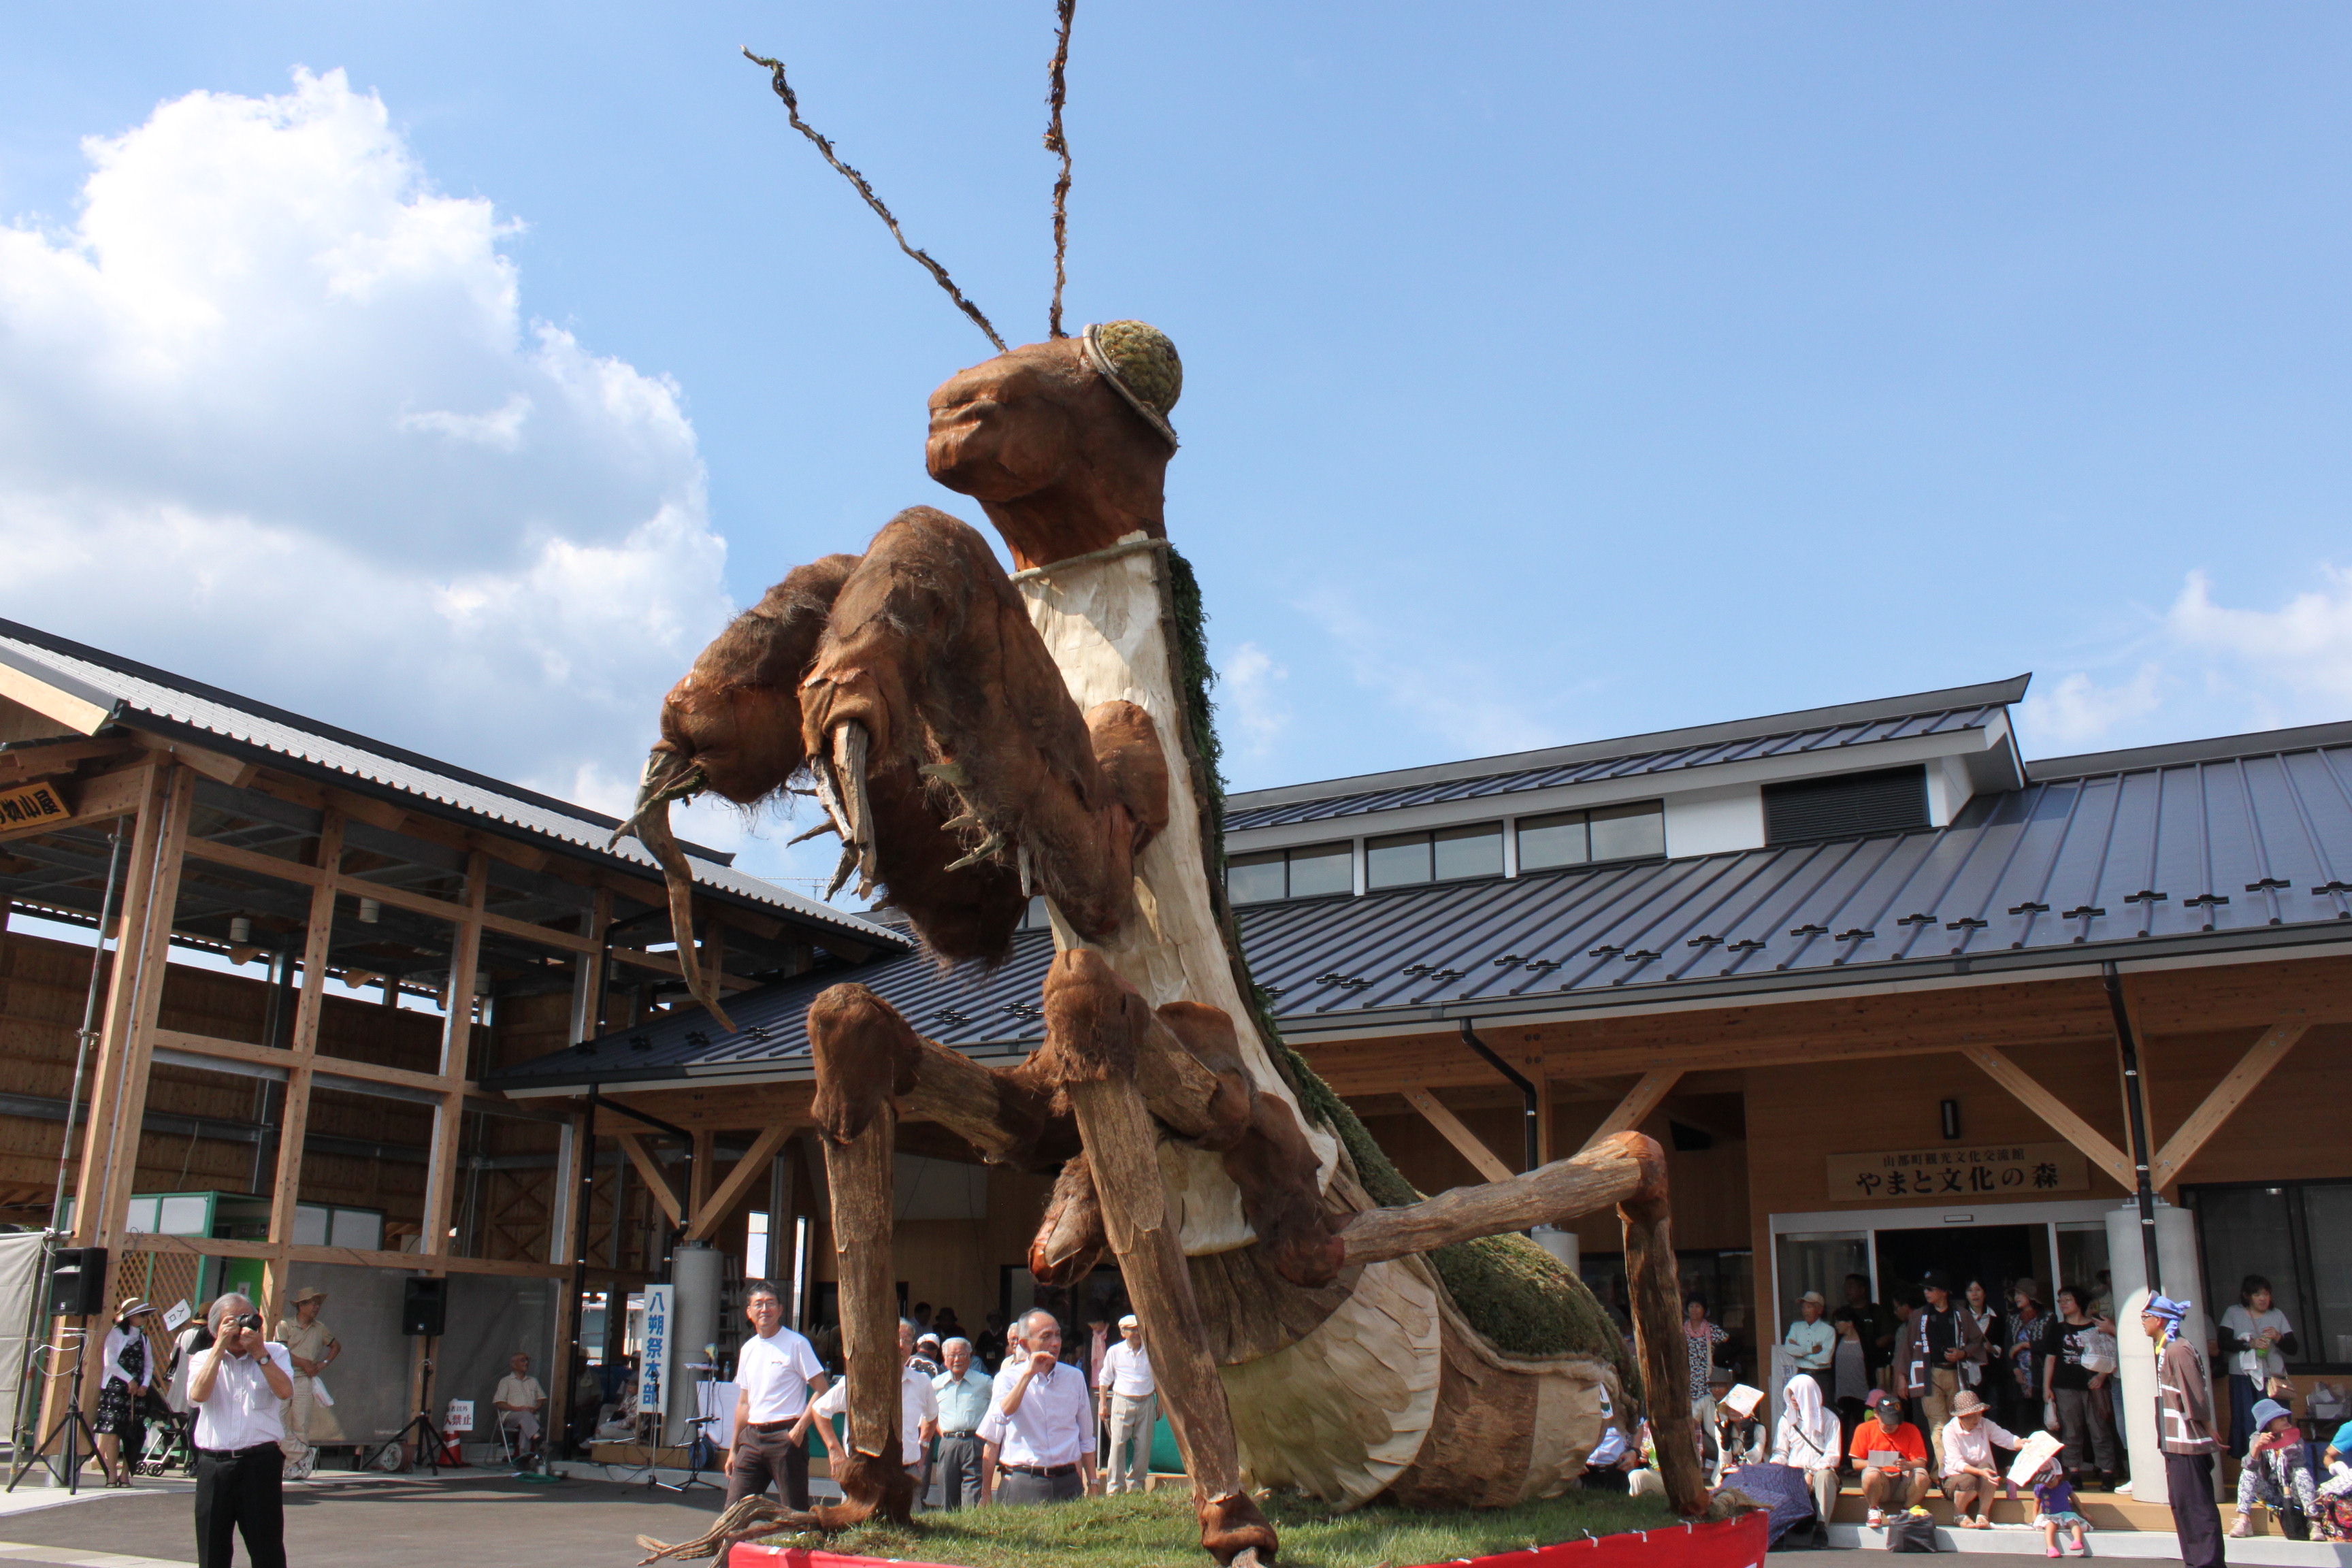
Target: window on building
(1309, 871)
(2298, 1235)
(1855, 805)
(1634, 832)
(755, 1245)
(1447, 855)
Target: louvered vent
(1857, 805)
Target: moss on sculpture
(1521, 1299)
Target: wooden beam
(1635, 1107)
(294, 1115)
(2228, 1095)
(63, 757)
(1481, 1157)
(650, 1169)
(2053, 1111)
(77, 713)
(709, 1217)
(457, 1048)
(212, 764)
(697, 1169)
(208, 1247)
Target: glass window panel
(1469, 851)
(309, 1226)
(1322, 868)
(141, 1214)
(189, 1215)
(361, 1228)
(1254, 878)
(1396, 862)
(2327, 1220)
(1548, 841)
(2246, 1230)
(1629, 832)
(1034, 917)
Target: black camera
(251, 1321)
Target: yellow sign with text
(1977, 1170)
(32, 805)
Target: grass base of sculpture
(977, 736)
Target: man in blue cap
(2184, 1426)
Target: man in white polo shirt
(774, 1374)
(238, 1388)
(1040, 1437)
(1128, 1409)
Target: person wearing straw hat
(2184, 1426)
(309, 1416)
(1969, 1471)
(2277, 1472)
(130, 1371)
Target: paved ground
(479, 1522)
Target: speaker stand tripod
(81, 1439)
(698, 1445)
(420, 1430)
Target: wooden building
(1852, 966)
(317, 946)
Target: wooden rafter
(1480, 1157)
(714, 1212)
(1635, 1107)
(2063, 1121)
(650, 1169)
(2228, 1095)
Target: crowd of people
(1035, 1429)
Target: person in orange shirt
(1892, 1458)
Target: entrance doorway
(1996, 1254)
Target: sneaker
(2049, 1552)
(2084, 1550)
(2243, 1528)
(1876, 1521)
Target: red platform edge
(1737, 1543)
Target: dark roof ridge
(2173, 753)
(292, 720)
(1988, 694)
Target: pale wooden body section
(1392, 1388)
(1103, 623)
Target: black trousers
(2189, 1480)
(241, 1494)
(766, 1459)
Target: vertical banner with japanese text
(653, 1375)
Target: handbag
(1911, 1532)
(2293, 1524)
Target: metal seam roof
(2230, 854)
(140, 692)
(1631, 765)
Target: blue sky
(1552, 372)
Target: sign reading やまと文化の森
(1975, 1170)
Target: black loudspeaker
(424, 1306)
(78, 1284)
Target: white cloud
(1247, 697)
(2077, 710)
(2302, 650)
(272, 415)
(1462, 696)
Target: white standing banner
(653, 1375)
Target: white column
(2135, 1385)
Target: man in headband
(2184, 1420)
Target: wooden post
(294, 1118)
(1656, 1288)
(457, 1046)
(698, 1174)
(859, 1172)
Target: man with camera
(238, 1388)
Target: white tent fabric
(20, 1275)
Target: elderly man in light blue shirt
(964, 1393)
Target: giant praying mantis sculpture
(974, 736)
